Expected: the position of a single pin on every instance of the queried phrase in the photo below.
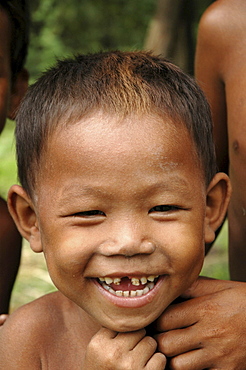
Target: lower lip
(131, 302)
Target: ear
(19, 89)
(23, 212)
(218, 197)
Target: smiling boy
(120, 192)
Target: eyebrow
(78, 191)
(174, 184)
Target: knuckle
(176, 364)
(151, 343)
(165, 345)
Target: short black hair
(118, 83)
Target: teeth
(127, 293)
(108, 280)
(146, 290)
(152, 278)
(117, 281)
(143, 280)
(135, 281)
(111, 290)
(151, 285)
(139, 292)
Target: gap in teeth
(131, 293)
(135, 281)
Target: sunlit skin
(96, 203)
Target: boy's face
(123, 201)
(5, 72)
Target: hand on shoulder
(207, 330)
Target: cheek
(186, 252)
(193, 262)
(66, 254)
(65, 269)
(189, 262)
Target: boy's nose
(128, 241)
(144, 247)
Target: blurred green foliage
(63, 28)
(7, 155)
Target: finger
(131, 340)
(145, 349)
(106, 333)
(178, 316)
(194, 360)
(157, 362)
(204, 286)
(175, 342)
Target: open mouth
(128, 287)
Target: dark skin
(9, 237)
(10, 96)
(194, 335)
(203, 340)
(220, 72)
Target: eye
(164, 208)
(94, 212)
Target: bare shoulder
(223, 18)
(221, 34)
(29, 337)
(36, 315)
(30, 327)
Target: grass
(33, 280)
(7, 159)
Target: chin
(128, 325)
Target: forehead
(102, 127)
(130, 147)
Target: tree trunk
(171, 32)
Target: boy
(120, 192)
(13, 84)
